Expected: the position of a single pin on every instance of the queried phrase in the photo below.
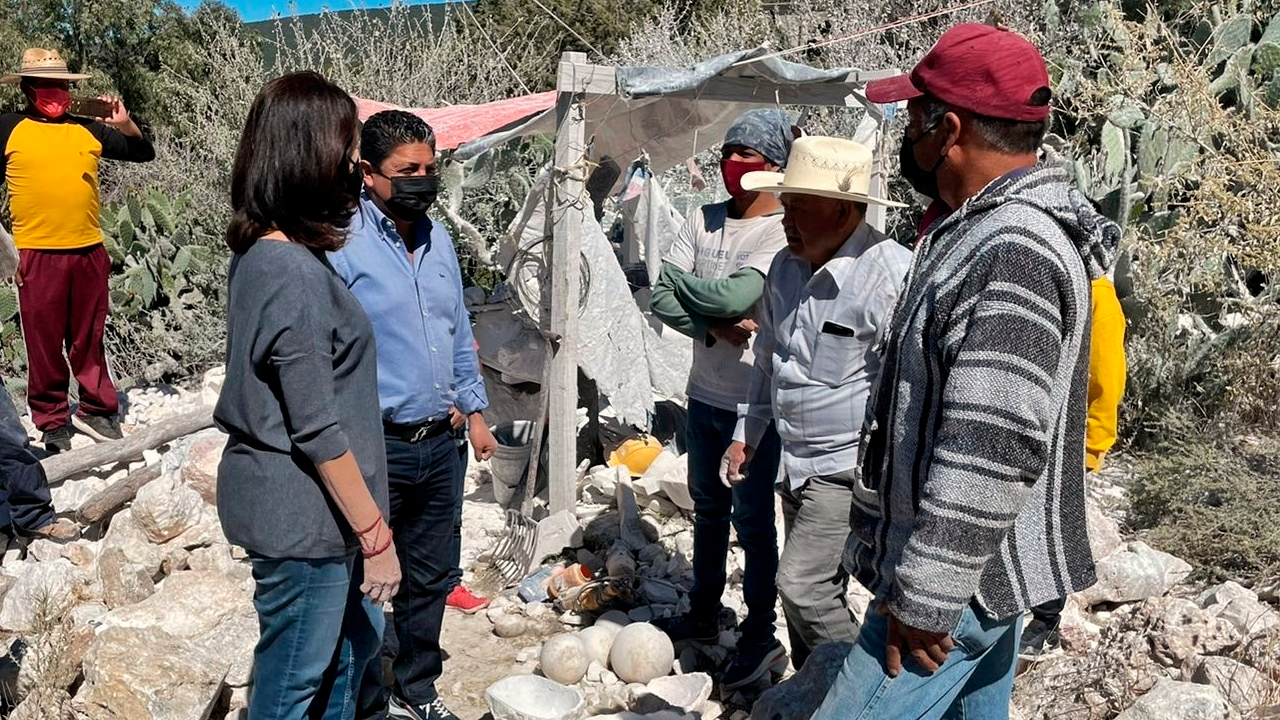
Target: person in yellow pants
(1106, 387)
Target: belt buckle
(421, 433)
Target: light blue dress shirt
(427, 361)
(815, 352)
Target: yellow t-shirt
(51, 170)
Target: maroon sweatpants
(63, 301)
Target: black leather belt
(417, 433)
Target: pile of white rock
(149, 619)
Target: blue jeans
(425, 487)
(975, 682)
(749, 506)
(318, 633)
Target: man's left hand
(456, 418)
(483, 443)
(929, 649)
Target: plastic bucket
(510, 460)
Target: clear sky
(255, 10)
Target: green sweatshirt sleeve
(725, 298)
(667, 306)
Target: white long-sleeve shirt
(815, 356)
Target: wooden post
(568, 202)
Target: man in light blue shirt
(402, 268)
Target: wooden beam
(567, 196)
(63, 465)
(578, 76)
(753, 90)
(107, 502)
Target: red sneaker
(461, 598)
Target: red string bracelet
(359, 533)
(382, 549)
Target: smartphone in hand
(91, 107)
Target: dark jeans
(425, 486)
(318, 633)
(25, 505)
(455, 575)
(1049, 613)
(749, 506)
(64, 304)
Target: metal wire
(529, 274)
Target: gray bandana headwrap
(768, 132)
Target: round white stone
(564, 658)
(598, 640)
(613, 621)
(640, 653)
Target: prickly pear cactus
(1266, 59)
(1236, 70)
(1229, 37)
(8, 303)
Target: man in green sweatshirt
(710, 284)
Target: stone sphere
(598, 640)
(613, 621)
(564, 658)
(640, 653)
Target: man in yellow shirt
(50, 165)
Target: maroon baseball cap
(980, 68)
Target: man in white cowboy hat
(827, 301)
(50, 165)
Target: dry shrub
(1214, 504)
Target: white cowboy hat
(824, 166)
(42, 63)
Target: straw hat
(42, 63)
(824, 166)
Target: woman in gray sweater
(302, 485)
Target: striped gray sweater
(972, 483)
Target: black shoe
(57, 440)
(686, 627)
(99, 427)
(751, 662)
(1038, 638)
(434, 710)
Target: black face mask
(412, 196)
(921, 180)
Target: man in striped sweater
(970, 505)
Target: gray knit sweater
(972, 483)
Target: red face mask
(732, 172)
(53, 102)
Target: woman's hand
(381, 576)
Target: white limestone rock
(564, 658)
(640, 653)
(41, 594)
(148, 674)
(165, 508)
(1172, 700)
